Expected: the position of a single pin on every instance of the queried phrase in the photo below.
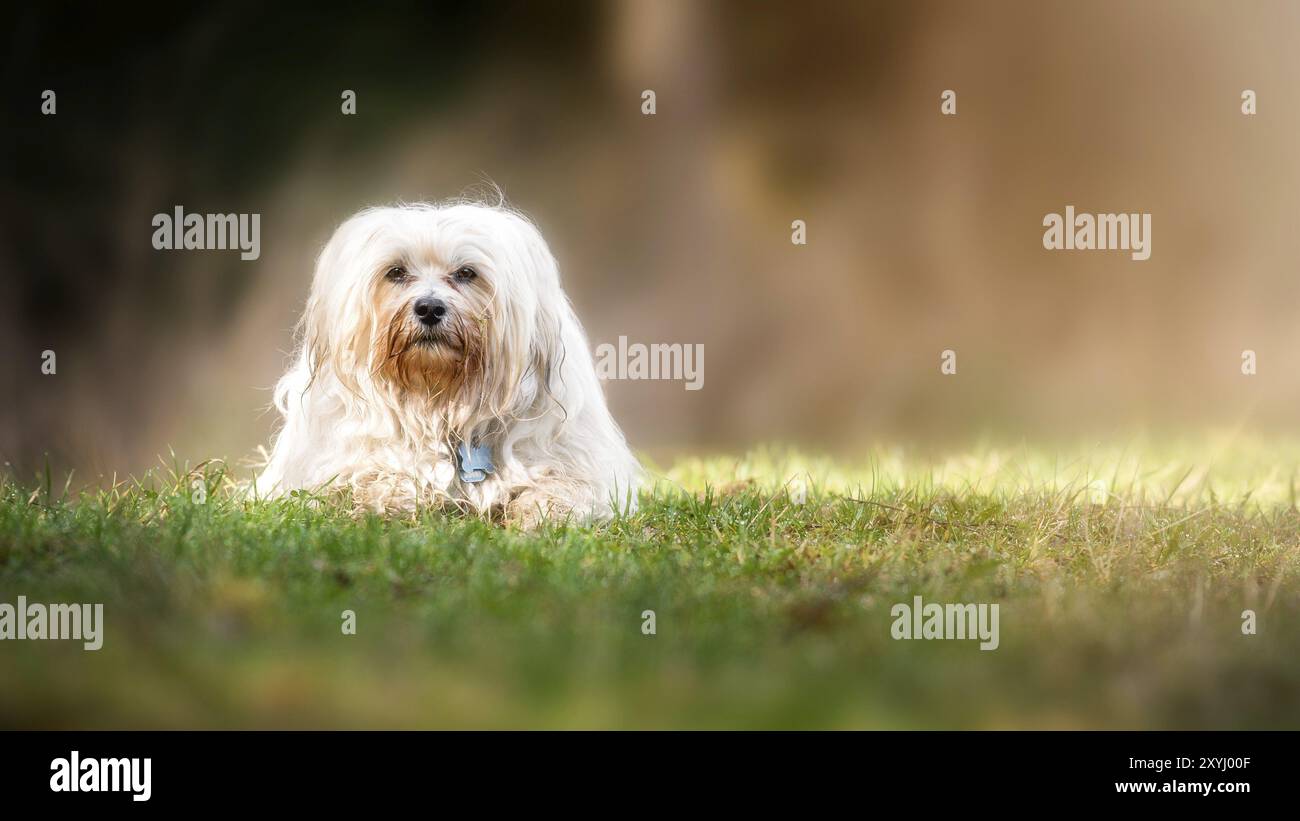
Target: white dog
(440, 363)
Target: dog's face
(429, 301)
(432, 296)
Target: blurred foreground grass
(1121, 575)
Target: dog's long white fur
(363, 413)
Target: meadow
(1121, 575)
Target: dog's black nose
(430, 310)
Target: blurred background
(924, 231)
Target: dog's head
(459, 304)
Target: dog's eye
(395, 274)
(464, 273)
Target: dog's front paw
(530, 509)
(386, 494)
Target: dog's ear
(314, 328)
(315, 338)
(553, 322)
(547, 357)
(335, 326)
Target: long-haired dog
(441, 364)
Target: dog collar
(475, 462)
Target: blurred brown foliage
(924, 231)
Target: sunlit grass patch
(1121, 574)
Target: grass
(1121, 577)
